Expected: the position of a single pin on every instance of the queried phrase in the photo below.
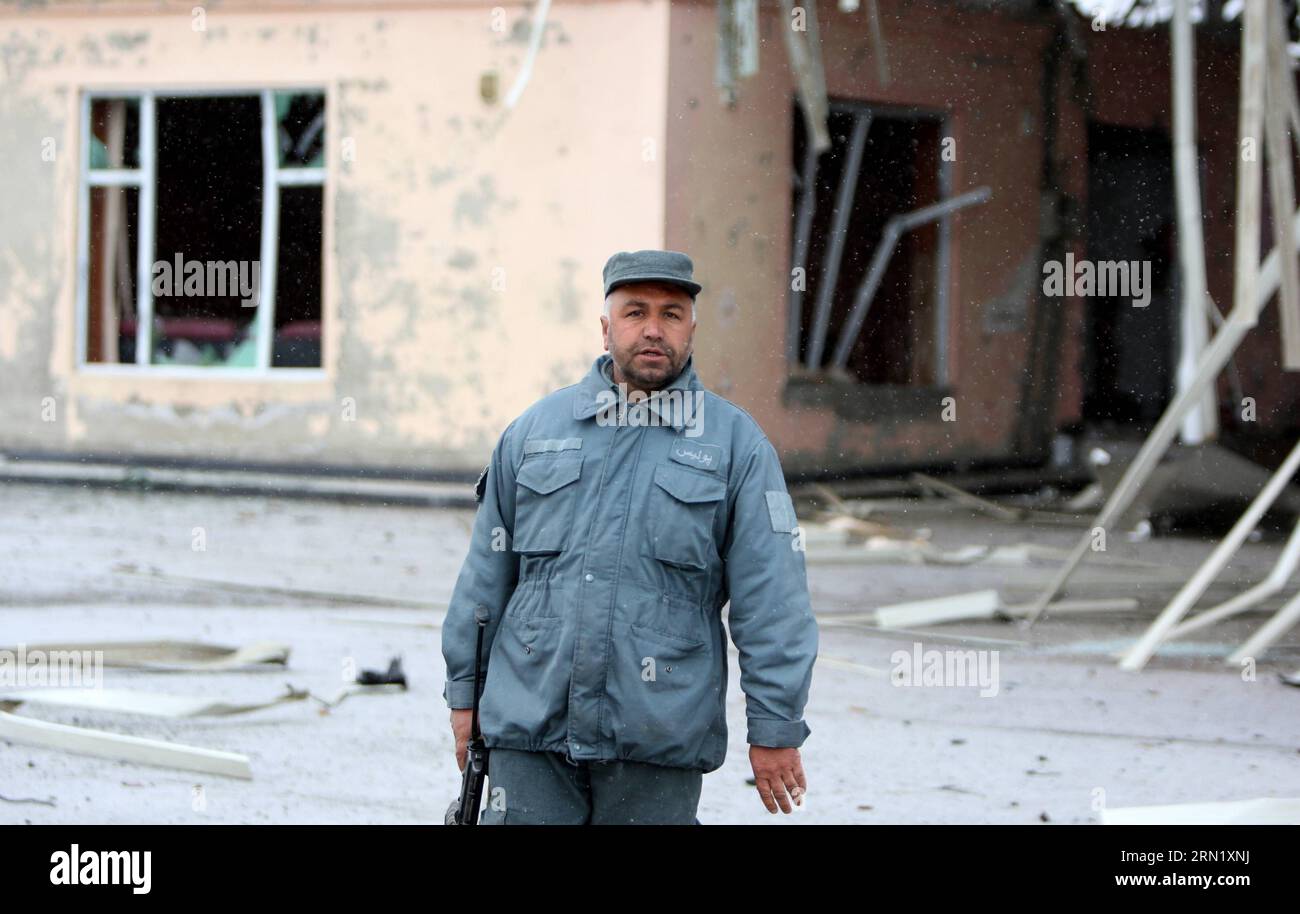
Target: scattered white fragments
(103, 744)
(151, 704)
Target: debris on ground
(1262, 811)
(166, 656)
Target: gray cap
(651, 266)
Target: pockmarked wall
(730, 204)
(463, 242)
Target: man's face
(649, 333)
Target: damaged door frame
(1254, 285)
(144, 176)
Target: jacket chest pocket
(684, 505)
(545, 496)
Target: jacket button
(590, 578)
(528, 649)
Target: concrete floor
(1065, 732)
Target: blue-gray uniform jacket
(606, 544)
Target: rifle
(465, 808)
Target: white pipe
(839, 230)
(1269, 632)
(1202, 421)
(1141, 652)
(1276, 580)
(263, 322)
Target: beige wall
(444, 189)
(620, 142)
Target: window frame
(942, 267)
(144, 177)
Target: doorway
(1130, 351)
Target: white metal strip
(114, 177)
(289, 177)
(206, 372)
(145, 234)
(101, 743)
(83, 233)
(264, 322)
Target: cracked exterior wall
(463, 245)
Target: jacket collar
(597, 393)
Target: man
(616, 519)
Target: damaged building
(367, 235)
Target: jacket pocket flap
(689, 487)
(545, 476)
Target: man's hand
(462, 721)
(778, 775)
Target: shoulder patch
(480, 487)
(780, 511)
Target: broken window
(869, 260)
(113, 261)
(202, 230)
(113, 205)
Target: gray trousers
(545, 788)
